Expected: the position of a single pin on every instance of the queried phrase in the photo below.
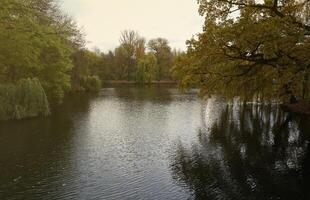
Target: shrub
(25, 99)
(91, 84)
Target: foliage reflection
(248, 152)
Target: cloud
(103, 20)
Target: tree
(132, 47)
(91, 84)
(161, 49)
(252, 49)
(145, 70)
(122, 63)
(86, 66)
(36, 40)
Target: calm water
(155, 143)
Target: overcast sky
(103, 20)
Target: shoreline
(125, 82)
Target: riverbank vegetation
(22, 100)
(36, 40)
(42, 47)
(254, 50)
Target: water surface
(155, 143)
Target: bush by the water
(23, 100)
(91, 84)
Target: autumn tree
(251, 49)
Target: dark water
(154, 143)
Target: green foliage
(23, 100)
(91, 84)
(181, 71)
(162, 51)
(36, 40)
(123, 62)
(146, 69)
(86, 66)
(39, 42)
(250, 49)
(132, 47)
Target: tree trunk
(305, 87)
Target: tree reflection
(247, 153)
(154, 93)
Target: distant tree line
(134, 60)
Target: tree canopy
(250, 49)
(36, 40)
(161, 49)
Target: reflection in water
(246, 152)
(154, 143)
(32, 150)
(115, 145)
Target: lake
(155, 143)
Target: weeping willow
(25, 99)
